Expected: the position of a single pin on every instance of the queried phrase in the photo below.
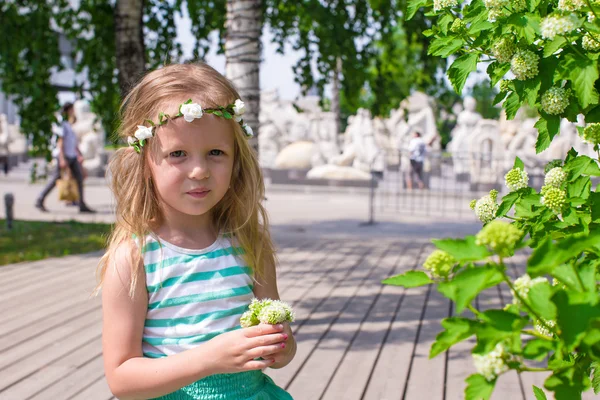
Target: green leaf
(580, 187)
(478, 388)
(408, 279)
(512, 105)
(576, 166)
(538, 298)
(575, 313)
(218, 113)
(496, 71)
(537, 349)
(461, 68)
(499, 97)
(595, 202)
(188, 101)
(525, 26)
(467, 284)
(444, 22)
(596, 376)
(567, 275)
(549, 255)
(413, 7)
(456, 330)
(445, 47)
(583, 73)
(507, 202)
(502, 320)
(539, 393)
(593, 169)
(548, 126)
(227, 115)
(519, 164)
(553, 46)
(464, 250)
(150, 122)
(481, 25)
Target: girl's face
(191, 165)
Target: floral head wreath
(189, 111)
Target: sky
(275, 72)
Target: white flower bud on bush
(554, 25)
(522, 286)
(591, 133)
(500, 237)
(555, 100)
(553, 198)
(570, 5)
(504, 49)
(439, 5)
(516, 179)
(492, 364)
(486, 207)
(590, 43)
(439, 263)
(524, 64)
(555, 177)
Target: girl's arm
(266, 287)
(132, 376)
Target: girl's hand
(286, 354)
(240, 350)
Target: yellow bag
(67, 187)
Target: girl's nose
(200, 170)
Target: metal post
(9, 202)
(371, 220)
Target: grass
(36, 240)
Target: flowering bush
(544, 54)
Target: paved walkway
(357, 339)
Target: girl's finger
(266, 340)
(266, 351)
(258, 364)
(262, 329)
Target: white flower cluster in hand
(441, 4)
(570, 5)
(492, 364)
(554, 25)
(555, 177)
(504, 49)
(542, 330)
(522, 286)
(554, 198)
(524, 64)
(267, 311)
(590, 43)
(486, 207)
(516, 179)
(555, 100)
(439, 263)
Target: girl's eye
(177, 154)
(216, 152)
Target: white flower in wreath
(143, 132)
(131, 140)
(191, 111)
(248, 130)
(239, 108)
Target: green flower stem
(513, 218)
(533, 369)
(522, 300)
(591, 8)
(474, 310)
(536, 334)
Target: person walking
(417, 150)
(68, 156)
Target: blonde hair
(239, 213)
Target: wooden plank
(28, 365)
(98, 390)
(42, 343)
(295, 269)
(352, 375)
(55, 371)
(310, 325)
(426, 377)
(71, 385)
(332, 339)
(41, 326)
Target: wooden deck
(357, 339)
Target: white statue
(91, 137)
(486, 151)
(466, 123)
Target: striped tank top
(193, 295)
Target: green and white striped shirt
(193, 295)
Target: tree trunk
(243, 55)
(130, 51)
(335, 97)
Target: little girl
(190, 248)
